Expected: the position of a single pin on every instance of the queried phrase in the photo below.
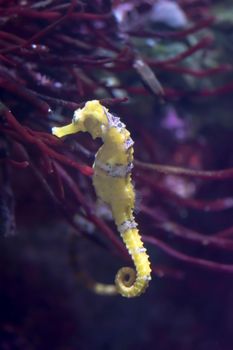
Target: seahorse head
(92, 118)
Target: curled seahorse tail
(131, 283)
(127, 283)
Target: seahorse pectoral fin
(69, 129)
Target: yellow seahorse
(113, 185)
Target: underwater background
(165, 68)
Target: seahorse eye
(103, 128)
